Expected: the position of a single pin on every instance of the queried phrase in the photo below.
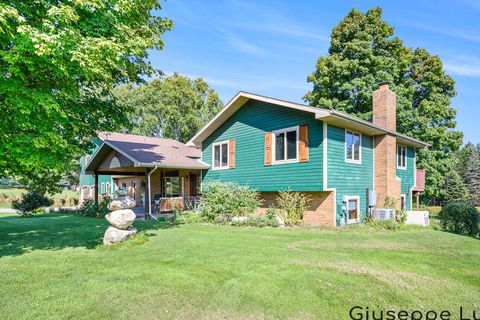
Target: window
(285, 145)
(352, 147)
(401, 157)
(171, 186)
(103, 188)
(108, 188)
(220, 155)
(403, 202)
(353, 209)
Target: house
(335, 158)
(106, 185)
(160, 174)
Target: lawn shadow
(20, 235)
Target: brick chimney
(385, 115)
(385, 107)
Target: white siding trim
(274, 139)
(359, 148)
(227, 142)
(325, 155)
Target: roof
(329, 116)
(148, 152)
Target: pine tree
(456, 189)
(471, 172)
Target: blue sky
(269, 47)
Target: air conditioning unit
(384, 214)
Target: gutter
(150, 194)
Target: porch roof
(133, 152)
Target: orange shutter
(268, 149)
(231, 150)
(303, 141)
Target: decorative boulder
(122, 203)
(121, 193)
(114, 235)
(121, 219)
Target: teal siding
(349, 179)
(89, 180)
(407, 176)
(248, 126)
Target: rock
(122, 203)
(114, 235)
(239, 219)
(280, 221)
(121, 193)
(121, 219)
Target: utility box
(420, 218)
(384, 214)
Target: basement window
(401, 157)
(353, 152)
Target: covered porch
(162, 175)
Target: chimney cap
(384, 85)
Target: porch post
(147, 194)
(96, 189)
(418, 200)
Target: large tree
(364, 52)
(59, 61)
(470, 171)
(171, 107)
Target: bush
(89, 209)
(384, 224)
(31, 201)
(460, 218)
(292, 205)
(228, 199)
(271, 212)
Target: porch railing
(169, 204)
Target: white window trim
(406, 157)
(102, 188)
(357, 198)
(359, 161)
(228, 155)
(274, 138)
(405, 201)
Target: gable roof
(329, 116)
(147, 152)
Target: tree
(59, 61)
(173, 107)
(363, 52)
(456, 189)
(471, 172)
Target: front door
(193, 185)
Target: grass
(54, 267)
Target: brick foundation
(321, 207)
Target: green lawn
(54, 267)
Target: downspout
(150, 194)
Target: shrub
(89, 209)
(460, 218)
(271, 212)
(384, 224)
(228, 199)
(292, 205)
(390, 202)
(31, 201)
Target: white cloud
(463, 65)
(241, 45)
